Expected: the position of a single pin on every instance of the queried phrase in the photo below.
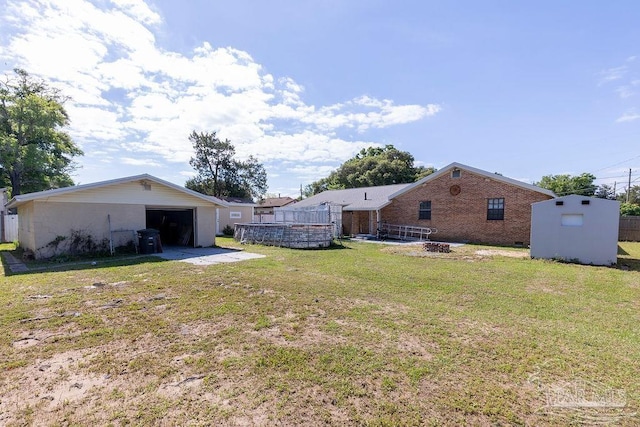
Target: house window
(455, 173)
(495, 209)
(235, 215)
(425, 210)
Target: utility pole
(629, 186)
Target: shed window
(425, 210)
(495, 209)
(572, 220)
(585, 202)
(235, 215)
(559, 203)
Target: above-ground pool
(286, 235)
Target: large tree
(35, 152)
(371, 167)
(219, 174)
(605, 191)
(563, 185)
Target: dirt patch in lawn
(501, 252)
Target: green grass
(364, 334)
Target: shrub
(629, 209)
(228, 230)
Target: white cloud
(612, 74)
(628, 117)
(137, 9)
(131, 96)
(139, 162)
(625, 91)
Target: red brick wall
(463, 218)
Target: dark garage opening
(175, 225)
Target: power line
(616, 164)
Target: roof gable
(476, 171)
(144, 179)
(276, 202)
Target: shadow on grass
(83, 264)
(631, 264)
(621, 251)
(629, 256)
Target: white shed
(576, 228)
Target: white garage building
(112, 211)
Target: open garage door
(176, 226)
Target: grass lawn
(365, 334)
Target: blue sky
(525, 89)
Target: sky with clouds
(525, 89)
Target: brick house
(465, 204)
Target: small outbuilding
(111, 212)
(577, 229)
(239, 210)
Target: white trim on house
(476, 171)
(23, 198)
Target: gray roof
(238, 201)
(22, 198)
(355, 199)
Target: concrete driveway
(205, 256)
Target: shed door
(176, 226)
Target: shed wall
(595, 241)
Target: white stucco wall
(49, 220)
(205, 227)
(565, 228)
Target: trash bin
(149, 241)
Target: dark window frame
(424, 210)
(495, 209)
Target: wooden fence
(629, 229)
(9, 228)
